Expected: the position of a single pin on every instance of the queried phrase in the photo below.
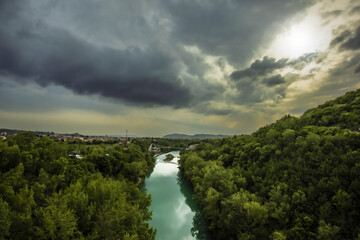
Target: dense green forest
(73, 190)
(298, 178)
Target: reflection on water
(198, 230)
(175, 213)
(164, 169)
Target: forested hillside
(55, 190)
(343, 112)
(288, 180)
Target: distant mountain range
(196, 136)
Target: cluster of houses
(3, 135)
(66, 137)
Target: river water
(176, 215)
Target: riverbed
(176, 215)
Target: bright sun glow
(299, 41)
(296, 42)
(303, 37)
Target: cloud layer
(202, 57)
(133, 51)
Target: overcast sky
(172, 66)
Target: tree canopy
(298, 178)
(45, 193)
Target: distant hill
(10, 131)
(196, 136)
(38, 133)
(16, 131)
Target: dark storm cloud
(33, 50)
(267, 65)
(206, 109)
(250, 93)
(332, 14)
(274, 80)
(259, 83)
(260, 67)
(306, 58)
(340, 38)
(353, 43)
(347, 40)
(348, 67)
(127, 75)
(355, 10)
(357, 69)
(134, 50)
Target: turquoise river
(176, 215)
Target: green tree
(5, 219)
(56, 221)
(328, 231)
